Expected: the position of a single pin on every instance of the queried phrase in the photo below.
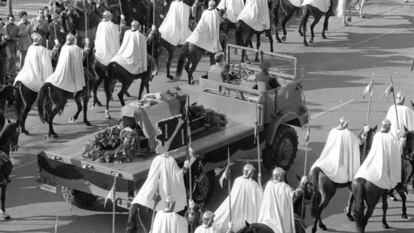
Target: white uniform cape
(405, 118)
(322, 5)
(166, 176)
(206, 34)
(256, 14)
(276, 210)
(69, 74)
(169, 223)
(37, 68)
(132, 55)
(340, 158)
(203, 229)
(382, 166)
(174, 28)
(296, 3)
(106, 42)
(246, 198)
(233, 8)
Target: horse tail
(316, 197)
(44, 104)
(184, 54)
(358, 190)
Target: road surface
(336, 70)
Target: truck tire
(282, 152)
(203, 186)
(78, 198)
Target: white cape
(405, 118)
(69, 74)
(206, 34)
(233, 8)
(340, 158)
(246, 198)
(37, 68)
(166, 176)
(203, 229)
(106, 42)
(382, 166)
(322, 5)
(174, 28)
(256, 14)
(169, 223)
(132, 55)
(277, 208)
(296, 3)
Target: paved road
(336, 71)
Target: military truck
(270, 115)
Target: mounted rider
(168, 221)
(255, 13)
(206, 34)
(277, 210)
(38, 64)
(246, 198)
(208, 224)
(107, 41)
(232, 9)
(174, 28)
(340, 158)
(69, 74)
(132, 55)
(382, 167)
(404, 113)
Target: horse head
(9, 138)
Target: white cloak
(166, 176)
(405, 118)
(246, 198)
(340, 158)
(69, 74)
(233, 8)
(382, 166)
(322, 5)
(106, 42)
(174, 28)
(276, 210)
(206, 34)
(203, 229)
(132, 55)
(256, 14)
(169, 223)
(296, 3)
(37, 68)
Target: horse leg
(29, 102)
(384, 212)
(144, 84)
(348, 208)
(284, 22)
(401, 192)
(325, 26)
(315, 21)
(95, 90)
(3, 203)
(170, 58)
(326, 197)
(302, 25)
(256, 59)
(58, 108)
(123, 90)
(79, 108)
(361, 9)
(85, 110)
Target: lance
(229, 184)
(304, 168)
(156, 199)
(189, 156)
(53, 13)
(369, 107)
(259, 150)
(395, 104)
(114, 205)
(86, 19)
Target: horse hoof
(128, 95)
(87, 123)
(394, 198)
(348, 215)
(385, 226)
(25, 132)
(170, 77)
(306, 44)
(324, 37)
(323, 227)
(311, 40)
(404, 216)
(279, 40)
(284, 38)
(6, 216)
(71, 119)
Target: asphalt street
(335, 71)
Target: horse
(117, 72)
(8, 142)
(367, 195)
(6, 98)
(256, 228)
(50, 95)
(324, 188)
(282, 11)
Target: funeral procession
(206, 116)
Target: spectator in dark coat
(26, 30)
(12, 37)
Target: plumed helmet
(70, 38)
(278, 173)
(211, 3)
(385, 125)
(399, 98)
(343, 123)
(134, 23)
(208, 215)
(248, 170)
(36, 37)
(107, 13)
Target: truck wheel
(203, 186)
(283, 150)
(78, 198)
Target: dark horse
(324, 188)
(308, 10)
(282, 11)
(6, 98)
(368, 194)
(256, 228)
(50, 95)
(8, 142)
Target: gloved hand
(366, 128)
(56, 42)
